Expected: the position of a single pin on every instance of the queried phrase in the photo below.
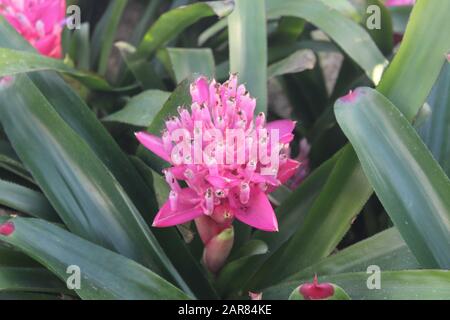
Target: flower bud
(318, 291)
(207, 228)
(217, 250)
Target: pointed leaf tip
(350, 97)
(255, 295)
(6, 81)
(318, 291)
(7, 228)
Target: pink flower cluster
(39, 21)
(220, 190)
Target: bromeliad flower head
(38, 21)
(227, 159)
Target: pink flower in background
(220, 190)
(38, 21)
(394, 3)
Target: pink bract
(394, 3)
(316, 290)
(39, 21)
(228, 190)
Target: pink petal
(259, 213)
(50, 45)
(167, 218)
(153, 144)
(287, 170)
(284, 127)
(200, 90)
(217, 181)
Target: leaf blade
(410, 184)
(248, 48)
(105, 275)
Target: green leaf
(384, 35)
(80, 187)
(31, 296)
(385, 249)
(289, 29)
(9, 161)
(149, 15)
(343, 6)
(435, 132)
(140, 68)
(13, 62)
(12, 257)
(400, 16)
(105, 33)
(141, 109)
(299, 61)
(74, 111)
(104, 274)
(26, 200)
(186, 62)
(351, 37)
(422, 54)
(278, 196)
(395, 285)
(168, 26)
(212, 31)
(30, 280)
(346, 7)
(157, 182)
(80, 48)
(173, 22)
(247, 38)
(246, 257)
(409, 183)
(416, 57)
(328, 220)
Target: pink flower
(222, 180)
(394, 3)
(38, 21)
